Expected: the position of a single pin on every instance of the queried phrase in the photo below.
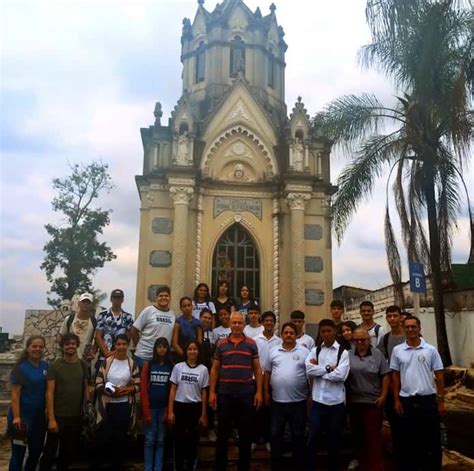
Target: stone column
(276, 261)
(181, 195)
(296, 202)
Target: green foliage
(74, 252)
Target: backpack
(70, 319)
(385, 344)
(339, 352)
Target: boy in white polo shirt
(417, 399)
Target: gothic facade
(232, 187)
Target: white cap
(87, 296)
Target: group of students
(223, 360)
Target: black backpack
(339, 352)
(70, 319)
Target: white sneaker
(253, 447)
(212, 436)
(268, 447)
(354, 464)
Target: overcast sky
(79, 79)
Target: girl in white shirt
(187, 406)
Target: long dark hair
(208, 295)
(25, 356)
(167, 358)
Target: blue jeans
(293, 414)
(329, 419)
(36, 429)
(139, 361)
(155, 433)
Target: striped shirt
(236, 365)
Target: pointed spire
(201, 2)
(273, 8)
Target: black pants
(420, 434)
(111, 440)
(238, 409)
(186, 434)
(67, 439)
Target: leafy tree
(425, 48)
(74, 252)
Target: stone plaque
(314, 297)
(313, 232)
(151, 294)
(238, 205)
(313, 264)
(162, 226)
(160, 258)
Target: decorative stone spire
(201, 2)
(273, 8)
(158, 113)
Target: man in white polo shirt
(328, 366)
(285, 372)
(417, 399)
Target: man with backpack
(83, 324)
(376, 331)
(67, 390)
(328, 367)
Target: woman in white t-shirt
(202, 299)
(187, 406)
(117, 386)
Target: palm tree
(425, 48)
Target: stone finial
(299, 99)
(158, 113)
(273, 8)
(258, 13)
(201, 2)
(186, 26)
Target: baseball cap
(116, 292)
(86, 296)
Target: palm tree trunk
(436, 278)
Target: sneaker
(212, 436)
(268, 447)
(354, 464)
(253, 447)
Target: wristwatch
(328, 368)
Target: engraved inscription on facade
(162, 226)
(313, 232)
(151, 292)
(313, 264)
(314, 297)
(160, 258)
(238, 205)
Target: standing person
(186, 328)
(223, 300)
(367, 388)
(265, 342)
(67, 390)
(153, 322)
(253, 328)
(246, 302)
(328, 366)
(337, 312)
(376, 331)
(154, 394)
(223, 330)
(389, 341)
(285, 372)
(305, 340)
(348, 328)
(26, 422)
(202, 299)
(117, 385)
(187, 406)
(111, 323)
(236, 370)
(417, 400)
(83, 324)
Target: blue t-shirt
(32, 380)
(187, 330)
(159, 385)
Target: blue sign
(417, 278)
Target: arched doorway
(236, 260)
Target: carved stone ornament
(239, 112)
(297, 201)
(181, 194)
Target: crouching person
(117, 386)
(66, 391)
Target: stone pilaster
(296, 202)
(181, 196)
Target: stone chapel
(232, 187)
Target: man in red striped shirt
(236, 371)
